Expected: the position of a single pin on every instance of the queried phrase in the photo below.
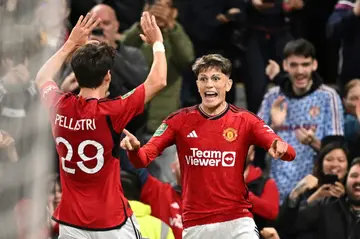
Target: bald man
(130, 68)
(108, 28)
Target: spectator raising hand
(272, 69)
(278, 112)
(305, 136)
(8, 143)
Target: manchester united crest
(314, 111)
(230, 134)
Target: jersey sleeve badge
(161, 129)
(128, 94)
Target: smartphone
(330, 179)
(97, 32)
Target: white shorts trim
(242, 228)
(130, 230)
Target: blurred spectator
(7, 144)
(129, 70)
(206, 23)
(343, 26)
(127, 11)
(352, 116)
(332, 161)
(55, 194)
(263, 194)
(179, 53)
(302, 110)
(18, 93)
(54, 32)
(150, 226)
(268, 32)
(163, 198)
(330, 217)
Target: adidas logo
(192, 134)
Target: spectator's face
(353, 184)
(162, 10)
(108, 24)
(300, 69)
(335, 162)
(212, 85)
(352, 98)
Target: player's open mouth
(210, 94)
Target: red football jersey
(87, 134)
(212, 152)
(165, 203)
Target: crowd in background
(290, 199)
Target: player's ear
(107, 78)
(285, 65)
(198, 85)
(314, 65)
(229, 85)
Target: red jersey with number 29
(87, 134)
(212, 152)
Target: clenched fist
(278, 149)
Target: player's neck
(87, 93)
(214, 111)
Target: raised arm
(156, 79)
(78, 37)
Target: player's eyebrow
(204, 75)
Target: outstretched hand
(278, 149)
(151, 31)
(130, 142)
(82, 30)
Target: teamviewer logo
(228, 159)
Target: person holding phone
(329, 173)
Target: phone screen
(330, 179)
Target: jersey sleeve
(260, 133)
(163, 137)
(123, 109)
(50, 94)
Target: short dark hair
(91, 63)
(212, 61)
(299, 47)
(355, 161)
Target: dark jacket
(343, 26)
(329, 218)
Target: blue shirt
(321, 109)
